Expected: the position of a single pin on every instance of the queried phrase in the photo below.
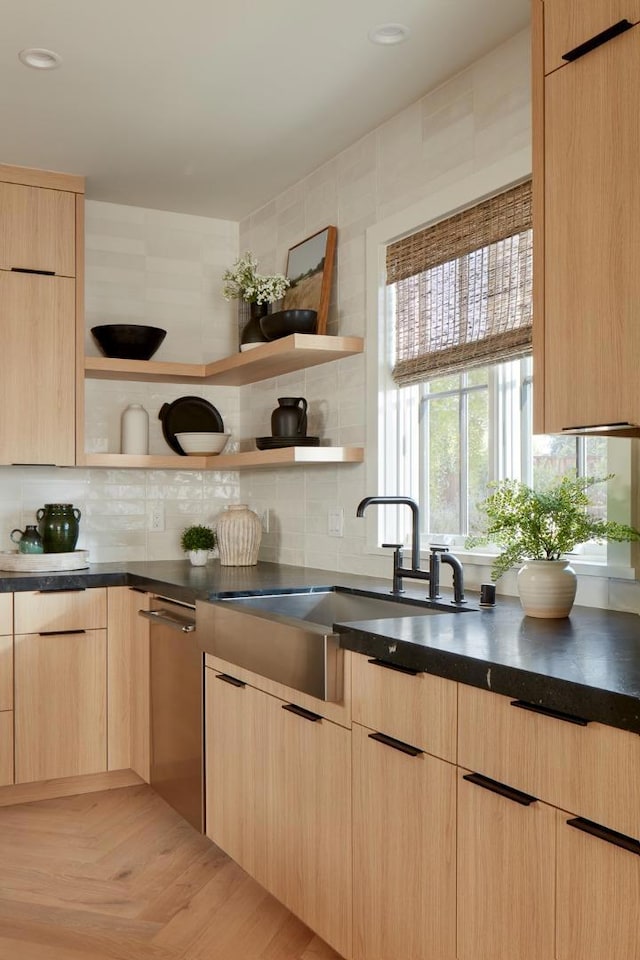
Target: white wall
(142, 266)
(463, 127)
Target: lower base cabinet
(60, 705)
(404, 863)
(506, 874)
(279, 801)
(598, 892)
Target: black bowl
(128, 341)
(281, 324)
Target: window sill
(583, 567)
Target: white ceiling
(213, 107)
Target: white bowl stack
(202, 444)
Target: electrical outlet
(335, 523)
(156, 517)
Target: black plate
(274, 443)
(188, 415)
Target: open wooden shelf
(249, 460)
(296, 352)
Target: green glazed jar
(59, 527)
(28, 540)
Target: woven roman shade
(463, 289)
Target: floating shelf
(249, 460)
(295, 352)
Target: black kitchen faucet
(437, 554)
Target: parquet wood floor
(118, 875)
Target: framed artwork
(309, 269)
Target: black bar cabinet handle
(231, 680)
(40, 273)
(614, 31)
(509, 793)
(548, 712)
(396, 744)
(395, 666)
(59, 633)
(301, 712)
(603, 833)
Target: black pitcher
(290, 419)
(59, 527)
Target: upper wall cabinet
(587, 227)
(573, 25)
(41, 308)
(37, 229)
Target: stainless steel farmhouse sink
(289, 637)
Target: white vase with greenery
(537, 529)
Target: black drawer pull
(231, 680)
(395, 666)
(396, 744)
(301, 712)
(602, 833)
(59, 633)
(548, 712)
(40, 273)
(620, 27)
(509, 793)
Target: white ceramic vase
(239, 532)
(547, 588)
(198, 558)
(134, 430)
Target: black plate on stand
(188, 415)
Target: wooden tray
(43, 562)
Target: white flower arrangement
(243, 282)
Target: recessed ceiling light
(39, 58)
(388, 33)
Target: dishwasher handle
(162, 616)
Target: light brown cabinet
(506, 873)
(37, 229)
(586, 222)
(404, 843)
(570, 23)
(279, 800)
(6, 689)
(41, 310)
(37, 368)
(598, 892)
(60, 684)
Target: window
(457, 397)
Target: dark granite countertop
(587, 664)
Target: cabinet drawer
(6, 748)
(6, 614)
(592, 771)
(597, 895)
(37, 229)
(570, 23)
(418, 709)
(52, 611)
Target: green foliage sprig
(243, 282)
(198, 538)
(542, 525)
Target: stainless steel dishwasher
(176, 686)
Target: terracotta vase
(239, 532)
(547, 588)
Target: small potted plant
(243, 282)
(197, 542)
(536, 528)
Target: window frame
(382, 400)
